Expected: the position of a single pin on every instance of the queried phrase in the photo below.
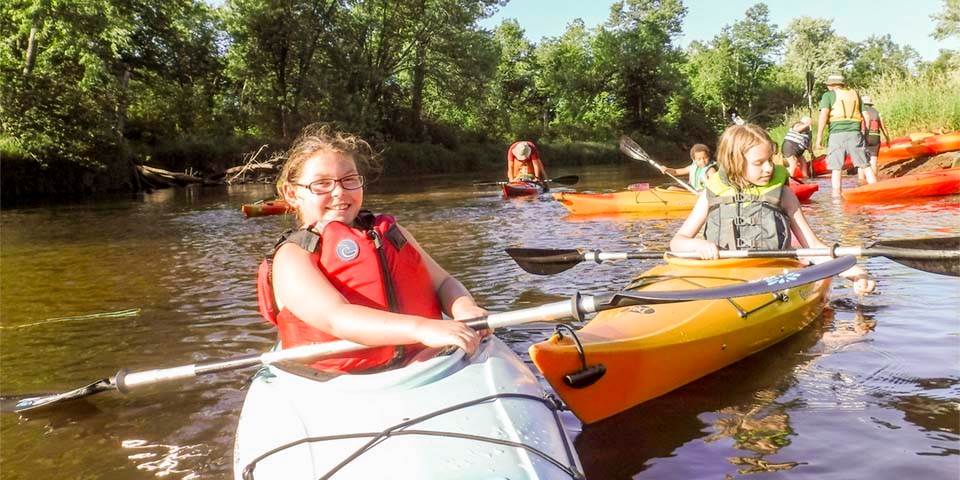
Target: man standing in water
(840, 108)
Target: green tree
(877, 56)
(737, 68)
(577, 87)
(76, 74)
(813, 46)
(638, 41)
(513, 105)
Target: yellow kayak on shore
(649, 350)
(658, 199)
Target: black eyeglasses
(326, 185)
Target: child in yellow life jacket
(700, 168)
(747, 205)
(348, 274)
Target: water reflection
(875, 378)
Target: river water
(870, 390)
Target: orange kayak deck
(925, 184)
(649, 350)
(654, 200)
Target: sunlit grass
(914, 104)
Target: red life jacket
(370, 264)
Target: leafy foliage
(99, 83)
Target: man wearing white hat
(523, 163)
(795, 143)
(873, 125)
(840, 108)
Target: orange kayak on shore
(265, 208)
(649, 350)
(915, 145)
(925, 184)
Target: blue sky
(908, 22)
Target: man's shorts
(791, 149)
(873, 145)
(842, 144)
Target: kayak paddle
(565, 180)
(576, 307)
(632, 150)
(934, 255)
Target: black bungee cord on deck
(376, 438)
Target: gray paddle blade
(935, 255)
(22, 403)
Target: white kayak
(447, 416)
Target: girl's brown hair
(732, 150)
(694, 150)
(320, 138)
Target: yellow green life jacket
(750, 218)
(846, 106)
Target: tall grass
(925, 103)
(907, 104)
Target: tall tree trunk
(31, 56)
(416, 102)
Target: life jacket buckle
(744, 244)
(742, 221)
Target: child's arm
(685, 240)
(675, 171)
(808, 239)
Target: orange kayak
(264, 208)
(925, 184)
(917, 145)
(652, 201)
(658, 199)
(649, 350)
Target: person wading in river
(840, 109)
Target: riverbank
(26, 178)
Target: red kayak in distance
(265, 208)
(819, 165)
(521, 189)
(803, 191)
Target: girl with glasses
(349, 274)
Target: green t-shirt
(827, 101)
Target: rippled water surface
(870, 390)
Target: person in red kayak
(795, 143)
(699, 170)
(840, 108)
(747, 205)
(524, 165)
(346, 273)
(873, 125)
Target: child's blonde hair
(732, 150)
(320, 138)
